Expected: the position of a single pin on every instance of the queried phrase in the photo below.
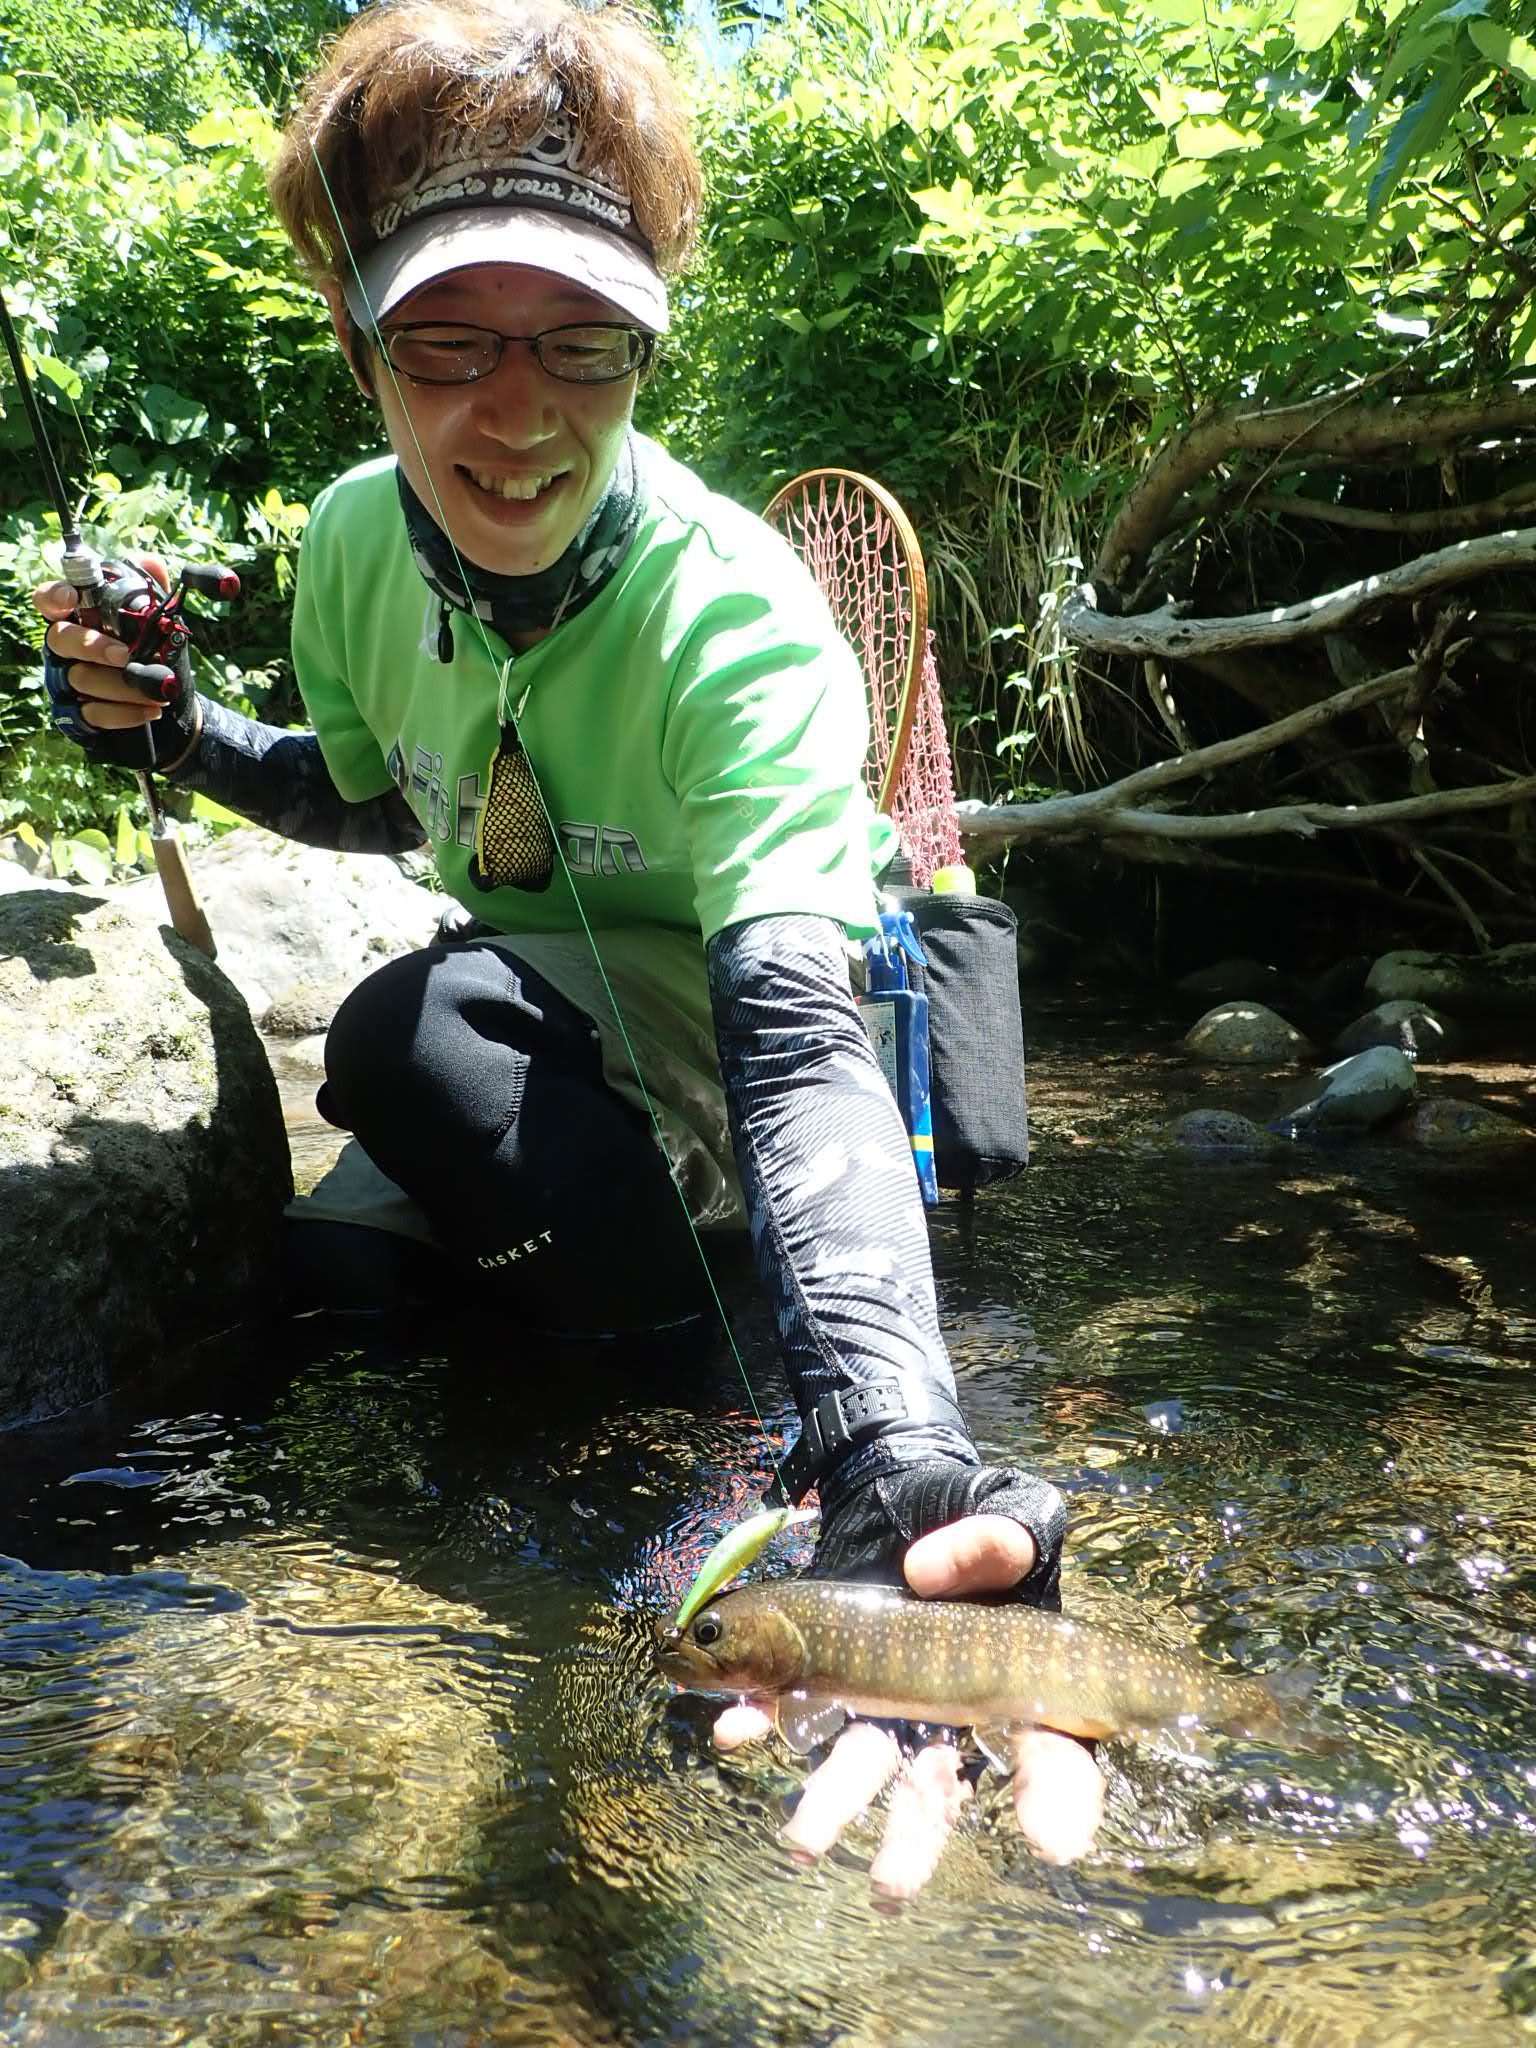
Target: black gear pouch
(975, 1037)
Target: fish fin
(1189, 1741)
(805, 1720)
(1297, 1717)
(995, 1741)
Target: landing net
(859, 545)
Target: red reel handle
(209, 580)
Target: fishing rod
(153, 623)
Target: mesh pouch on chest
(514, 848)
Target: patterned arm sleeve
(279, 779)
(832, 1200)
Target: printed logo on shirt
(421, 784)
(588, 849)
(600, 849)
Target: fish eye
(707, 1631)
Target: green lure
(737, 1548)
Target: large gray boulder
(143, 1166)
(1412, 1027)
(1245, 1034)
(1501, 984)
(296, 926)
(1352, 1095)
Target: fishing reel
(122, 599)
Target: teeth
(520, 487)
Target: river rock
(1412, 1027)
(1340, 983)
(293, 920)
(1502, 983)
(1221, 1134)
(1466, 1128)
(143, 1167)
(1252, 980)
(1352, 1095)
(1245, 1034)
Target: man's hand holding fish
(1058, 1792)
(1033, 1684)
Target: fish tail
(1287, 1710)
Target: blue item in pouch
(896, 1017)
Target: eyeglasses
(432, 352)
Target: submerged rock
(1245, 1034)
(1220, 1134)
(1412, 1027)
(1353, 1094)
(1252, 980)
(1449, 1126)
(1501, 984)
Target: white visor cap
(421, 251)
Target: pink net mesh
(923, 806)
(855, 541)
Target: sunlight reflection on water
(336, 1721)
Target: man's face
(473, 453)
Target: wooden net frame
(859, 545)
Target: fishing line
(503, 672)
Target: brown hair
(404, 71)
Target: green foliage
(146, 61)
(995, 253)
(191, 387)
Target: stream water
(326, 1713)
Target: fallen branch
(1100, 813)
(1475, 518)
(1262, 739)
(1343, 428)
(1169, 635)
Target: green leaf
(68, 380)
(1142, 159)
(125, 850)
(1316, 21)
(1503, 47)
(169, 415)
(80, 859)
(1180, 177)
(212, 813)
(1205, 139)
(792, 318)
(1418, 128)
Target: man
(616, 708)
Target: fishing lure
(741, 1545)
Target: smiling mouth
(519, 490)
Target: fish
(822, 1649)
